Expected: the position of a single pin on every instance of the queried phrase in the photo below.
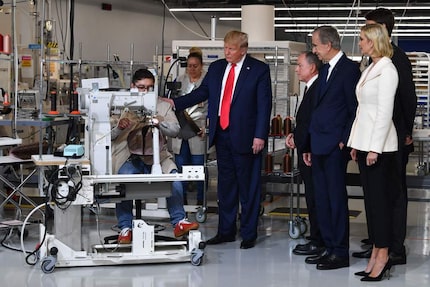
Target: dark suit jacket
(335, 108)
(405, 102)
(303, 118)
(250, 108)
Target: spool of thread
(276, 126)
(287, 163)
(268, 164)
(287, 126)
(75, 104)
(7, 44)
(6, 99)
(1, 43)
(53, 110)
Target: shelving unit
(420, 62)
(420, 70)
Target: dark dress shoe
(333, 262)
(218, 239)
(363, 254)
(246, 244)
(307, 249)
(317, 258)
(397, 259)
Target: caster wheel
(196, 259)
(294, 231)
(48, 264)
(201, 216)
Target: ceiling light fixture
(326, 18)
(307, 8)
(313, 25)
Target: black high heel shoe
(362, 273)
(385, 273)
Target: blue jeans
(186, 158)
(175, 203)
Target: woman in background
(191, 150)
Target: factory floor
(270, 263)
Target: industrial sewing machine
(93, 175)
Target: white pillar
(258, 21)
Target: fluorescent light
(205, 9)
(308, 8)
(359, 8)
(313, 25)
(326, 18)
(352, 30)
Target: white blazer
(373, 128)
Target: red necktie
(226, 99)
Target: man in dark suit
(307, 68)
(405, 104)
(239, 94)
(329, 130)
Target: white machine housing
(66, 248)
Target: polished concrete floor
(270, 263)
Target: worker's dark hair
(142, 74)
(382, 16)
(196, 55)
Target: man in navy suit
(329, 130)
(307, 68)
(240, 137)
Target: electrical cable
(404, 11)
(33, 253)
(182, 24)
(195, 19)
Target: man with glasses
(132, 153)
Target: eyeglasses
(144, 88)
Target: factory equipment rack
(420, 62)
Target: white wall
(133, 22)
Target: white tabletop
(7, 141)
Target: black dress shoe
(333, 262)
(246, 244)
(385, 273)
(307, 249)
(363, 254)
(317, 258)
(397, 259)
(218, 239)
(362, 273)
